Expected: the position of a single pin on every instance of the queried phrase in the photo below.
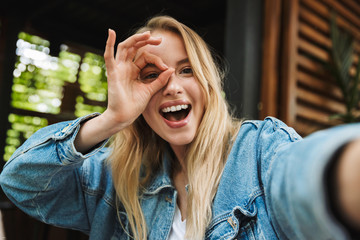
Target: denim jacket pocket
(237, 224)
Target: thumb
(161, 81)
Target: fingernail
(164, 65)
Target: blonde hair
(138, 147)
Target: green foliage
(342, 53)
(38, 77)
(92, 77)
(82, 109)
(22, 127)
(38, 41)
(38, 86)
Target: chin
(180, 141)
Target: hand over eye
(127, 96)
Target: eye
(151, 76)
(187, 71)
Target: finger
(123, 47)
(120, 53)
(131, 41)
(147, 58)
(133, 50)
(109, 50)
(151, 40)
(160, 82)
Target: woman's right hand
(127, 95)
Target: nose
(173, 86)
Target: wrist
(111, 123)
(95, 131)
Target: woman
(178, 161)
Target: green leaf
(342, 53)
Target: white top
(178, 228)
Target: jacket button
(66, 128)
(168, 199)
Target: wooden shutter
(307, 94)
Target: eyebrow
(182, 61)
(185, 60)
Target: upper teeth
(174, 108)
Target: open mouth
(176, 113)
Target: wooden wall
(295, 86)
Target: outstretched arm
(311, 184)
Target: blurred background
(297, 60)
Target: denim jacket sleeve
(294, 183)
(45, 169)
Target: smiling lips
(175, 114)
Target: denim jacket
(272, 186)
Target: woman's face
(175, 111)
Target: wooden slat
(315, 20)
(324, 12)
(312, 114)
(305, 128)
(319, 24)
(316, 67)
(313, 50)
(317, 6)
(320, 39)
(314, 35)
(352, 18)
(355, 6)
(320, 101)
(310, 65)
(319, 85)
(317, 36)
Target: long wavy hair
(137, 148)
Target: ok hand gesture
(127, 95)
